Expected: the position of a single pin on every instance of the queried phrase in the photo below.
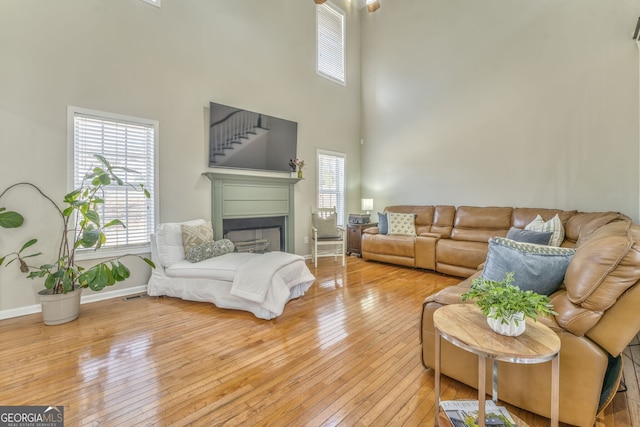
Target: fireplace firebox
(256, 234)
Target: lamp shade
(367, 204)
(319, 1)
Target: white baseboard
(100, 296)
(86, 299)
(22, 311)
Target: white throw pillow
(169, 241)
(554, 225)
(327, 227)
(402, 224)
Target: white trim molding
(86, 299)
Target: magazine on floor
(464, 413)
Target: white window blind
(330, 167)
(123, 141)
(330, 42)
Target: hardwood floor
(347, 353)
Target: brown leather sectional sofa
(598, 304)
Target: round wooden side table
(464, 326)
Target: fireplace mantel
(252, 196)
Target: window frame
(341, 194)
(329, 9)
(120, 250)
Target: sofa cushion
(327, 227)
(216, 268)
(402, 224)
(539, 268)
(554, 225)
(383, 223)
(195, 235)
(479, 224)
(169, 241)
(529, 236)
(468, 255)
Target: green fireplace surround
(235, 196)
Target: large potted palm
(82, 228)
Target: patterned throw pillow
(402, 224)
(194, 235)
(554, 225)
(209, 250)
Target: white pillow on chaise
(169, 239)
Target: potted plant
(506, 305)
(82, 228)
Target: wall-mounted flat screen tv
(243, 139)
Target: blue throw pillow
(538, 268)
(528, 236)
(383, 223)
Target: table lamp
(367, 205)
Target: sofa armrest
(453, 294)
(619, 324)
(425, 250)
(371, 230)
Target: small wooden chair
(326, 233)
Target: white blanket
(253, 278)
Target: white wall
(501, 102)
(127, 57)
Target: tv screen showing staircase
(243, 139)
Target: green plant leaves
(114, 222)
(90, 237)
(103, 160)
(93, 217)
(148, 261)
(49, 282)
(28, 244)
(105, 274)
(119, 271)
(502, 299)
(10, 219)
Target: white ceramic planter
(60, 308)
(513, 327)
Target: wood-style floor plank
(345, 354)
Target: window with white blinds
(330, 169)
(124, 141)
(330, 27)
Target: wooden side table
(466, 327)
(354, 237)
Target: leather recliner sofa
(597, 304)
